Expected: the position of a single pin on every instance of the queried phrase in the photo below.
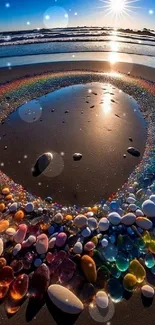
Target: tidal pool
(96, 120)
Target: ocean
(23, 47)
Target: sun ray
(119, 8)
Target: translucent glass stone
(115, 290)
(149, 260)
(122, 262)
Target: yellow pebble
(4, 224)
(2, 207)
(19, 215)
(130, 282)
(146, 237)
(152, 246)
(68, 217)
(5, 190)
(94, 240)
(138, 270)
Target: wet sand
(130, 311)
(96, 120)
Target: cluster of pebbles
(78, 255)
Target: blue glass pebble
(37, 262)
(115, 290)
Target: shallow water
(98, 124)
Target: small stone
(29, 207)
(103, 224)
(20, 234)
(19, 287)
(42, 244)
(13, 207)
(138, 270)
(144, 223)
(2, 262)
(92, 223)
(132, 207)
(19, 215)
(77, 156)
(130, 282)
(6, 276)
(78, 248)
(89, 268)
(130, 200)
(114, 218)
(29, 241)
(10, 232)
(152, 198)
(86, 232)
(101, 299)
(148, 208)
(2, 207)
(80, 221)
(58, 218)
(5, 191)
(52, 242)
(104, 242)
(128, 219)
(147, 291)
(89, 246)
(64, 299)
(139, 213)
(133, 151)
(37, 262)
(42, 163)
(4, 224)
(61, 239)
(16, 249)
(40, 281)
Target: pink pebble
(20, 234)
(89, 246)
(61, 239)
(42, 244)
(29, 241)
(52, 243)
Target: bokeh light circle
(30, 112)
(55, 17)
(55, 167)
(101, 315)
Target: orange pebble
(5, 190)
(2, 262)
(4, 224)
(94, 209)
(19, 215)
(9, 197)
(68, 217)
(2, 207)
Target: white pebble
(114, 218)
(147, 291)
(104, 242)
(103, 224)
(101, 299)
(86, 232)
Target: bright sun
(118, 8)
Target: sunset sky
(30, 14)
